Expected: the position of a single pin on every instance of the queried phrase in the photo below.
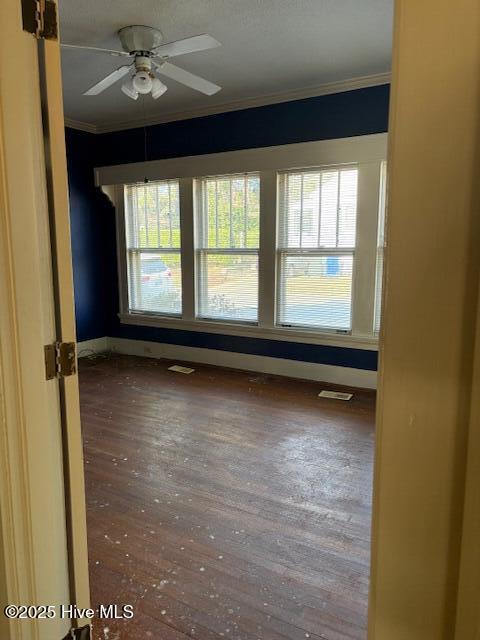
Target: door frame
(431, 282)
(468, 598)
(59, 207)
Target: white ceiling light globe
(128, 89)
(158, 88)
(142, 82)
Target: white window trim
(367, 152)
(380, 251)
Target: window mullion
(245, 211)
(230, 212)
(170, 213)
(364, 265)
(267, 256)
(216, 213)
(380, 258)
(187, 217)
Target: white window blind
(316, 247)
(152, 225)
(380, 250)
(227, 247)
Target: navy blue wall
(340, 115)
(352, 113)
(91, 222)
(339, 356)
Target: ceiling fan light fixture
(158, 88)
(129, 90)
(143, 45)
(142, 82)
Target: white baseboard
(97, 345)
(263, 364)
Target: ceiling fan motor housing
(140, 38)
(143, 63)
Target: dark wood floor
(225, 504)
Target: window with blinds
(228, 231)
(152, 226)
(316, 247)
(380, 250)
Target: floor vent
(335, 395)
(179, 369)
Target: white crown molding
(81, 126)
(246, 103)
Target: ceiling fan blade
(188, 45)
(108, 81)
(187, 78)
(112, 52)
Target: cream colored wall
(431, 282)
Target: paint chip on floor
(179, 369)
(336, 395)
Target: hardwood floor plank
(225, 504)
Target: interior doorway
(242, 243)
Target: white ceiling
(280, 48)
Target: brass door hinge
(40, 18)
(60, 360)
(79, 634)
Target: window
(316, 248)
(283, 243)
(227, 248)
(152, 226)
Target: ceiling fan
(144, 45)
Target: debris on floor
(179, 369)
(336, 395)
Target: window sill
(251, 331)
